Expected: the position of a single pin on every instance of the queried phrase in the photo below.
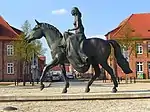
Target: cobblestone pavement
(128, 105)
(138, 105)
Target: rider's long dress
(75, 42)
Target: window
(139, 66)
(126, 54)
(139, 49)
(148, 48)
(10, 68)
(10, 50)
(148, 69)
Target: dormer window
(148, 47)
(139, 48)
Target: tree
(24, 51)
(127, 39)
(26, 27)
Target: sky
(98, 16)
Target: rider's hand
(69, 30)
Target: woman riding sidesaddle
(77, 38)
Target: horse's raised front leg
(48, 67)
(65, 78)
(97, 73)
(113, 77)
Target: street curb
(72, 97)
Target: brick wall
(7, 59)
(1, 64)
(134, 58)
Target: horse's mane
(49, 26)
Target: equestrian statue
(80, 52)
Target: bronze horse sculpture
(97, 50)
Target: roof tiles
(6, 30)
(140, 23)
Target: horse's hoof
(42, 87)
(49, 85)
(114, 90)
(64, 91)
(87, 90)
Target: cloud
(59, 11)
(98, 36)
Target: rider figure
(79, 33)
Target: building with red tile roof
(6, 29)
(10, 68)
(8, 65)
(139, 23)
(140, 59)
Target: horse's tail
(122, 62)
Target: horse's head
(36, 32)
(51, 33)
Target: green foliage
(128, 39)
(24, 50)
(128, 44)
(26, 27)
